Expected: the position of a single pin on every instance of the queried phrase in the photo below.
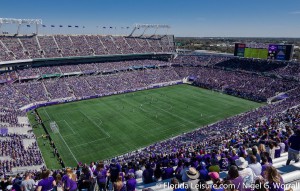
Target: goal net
(54, 127)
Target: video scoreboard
(280, 52)
(262, 51)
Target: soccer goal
(54, 127)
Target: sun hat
(241, 162)
(192, 173)
(214, 175)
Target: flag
(52, 25)
(28, 25)
(104, 27)
(44, 25)
(69, 26)
(76, 26)
(127, 27)
(60, 26)
(110, 27)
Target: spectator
(193, 175)
(260, 185)
(71, 182)
(214, 166)
(224, 163)
(118, 185)
(178, 170)
(28, 184)
(65, 179)
(245, 172)
(265, 163)
(255, 166)
(183, 173)
(148, 174)
(294, 147)
(168, 172)
(256, 154)
(275, 181)
(101, 174)
(17, 183)
(262, 149)
(233, 157)
(157, 172)
(84, 182)
(114, 170)
(139, 172)
(217, 184)
(47, 183)
(176, 186)
(131, 182)
(203, 171)
(229, 186)
(59, 183)
(271, 150)
(234, 177)
(202, 185)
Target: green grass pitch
(102, 128)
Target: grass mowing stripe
(135, 120)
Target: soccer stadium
(82, 110)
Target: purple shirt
(101, 175)
(131, 184)
(46, 184)
(64, 180)
(224, 164)
(263, 168)
(168, 173)
(276, 186)
(238, 183)
(233, 158)
(71, 184)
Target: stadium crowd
(12, 147)
(244, 145)
(20, 48)
(246, 153)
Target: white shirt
(248, 177)
(256, 168)
(139, 174)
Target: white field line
(63, 140)
(68, 125)
(107, 134)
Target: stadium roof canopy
(19, 22)
(148, 26)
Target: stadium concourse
(258, 137)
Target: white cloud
(295, 12)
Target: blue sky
(201, 18)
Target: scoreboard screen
(272, 51)
(256, 53)
(280, 52)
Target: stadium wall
(83, 59)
